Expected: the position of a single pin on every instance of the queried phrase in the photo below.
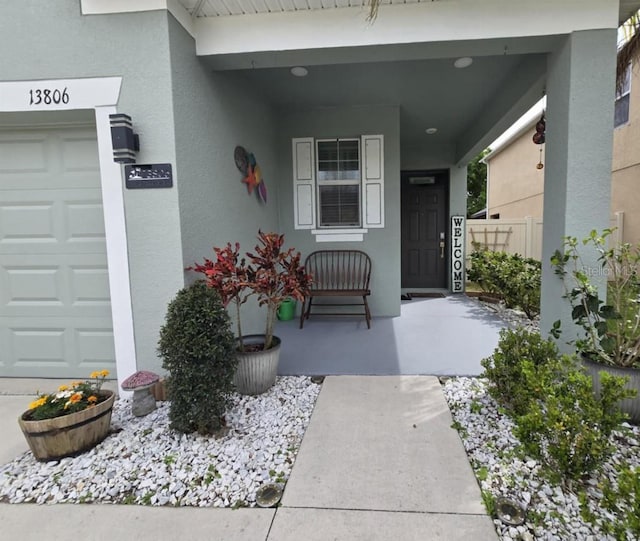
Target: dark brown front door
(424, 229)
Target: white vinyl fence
(519, 236)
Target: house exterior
(367, 151)
(515, 186)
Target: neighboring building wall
(134, 46)
(383, 245)
(214, 113)
(515, 186)
(625, 182)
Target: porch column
(579, 138)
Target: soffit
(221, 8)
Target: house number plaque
(157, 175)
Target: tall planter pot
(630, 406)
(257, 370)
(69, 435)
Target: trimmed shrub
(515, 278)
(199, 352)
(568, 428)
(505, 369)
(559, 420)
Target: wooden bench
(338, 273)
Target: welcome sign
(457, 253)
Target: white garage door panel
(71, 350)
(55, 309)
(20, 153)
(52, 285)
(51, 221)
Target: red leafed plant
(273, 275)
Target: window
(338, 174)
(621, 115)
(338, 186)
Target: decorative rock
(490, 444)
(140, 463)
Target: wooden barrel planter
(69, 435)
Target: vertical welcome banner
(457, 253)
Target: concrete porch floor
(432, 336)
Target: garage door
(55, 313)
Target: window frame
(338, 182)
(622, 95)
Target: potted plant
(273, 275)
(611, 338)
(70, 421)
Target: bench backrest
(341, 270)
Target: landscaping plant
(505, 369)
(612, 326)
(568, 428)
(198, 350)
(558, 417)
(71, 398)
(272, 273)
(514, 278)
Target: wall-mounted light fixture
(125, 143)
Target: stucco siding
(626, 138)
(625, 182)
(54, 42)
(214, 112)
(625, 196)
(383, 245)
(515, 185)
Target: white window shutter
(373, 180)
(304, 183)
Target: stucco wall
(56, 42)
(515, 185)
(625, 194)
(383, 245)
(214, 113)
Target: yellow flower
(92, 399)
(75, 383)
(94, 374)
(63, 387)
(104, 373)
(37, 403)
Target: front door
(424, 229)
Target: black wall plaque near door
(156, 175)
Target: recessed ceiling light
(299, 71)
(431, 131)
(463, 62)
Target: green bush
(505, 368)
(623, 500)
(568, 428)
(515, 278)
(558, 417)
(199, 352)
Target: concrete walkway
(379, 461)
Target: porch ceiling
(469, 107)
(354, 66)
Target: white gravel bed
(553, 512)
(144, 462)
